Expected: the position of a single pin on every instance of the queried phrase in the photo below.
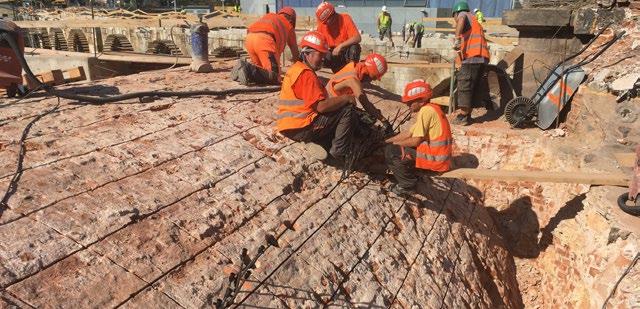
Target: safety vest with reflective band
(349, 71)
(385, 21)
(474, 43)
(292, 114)
(276, 25)
(435, 155)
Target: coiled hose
(5, 36)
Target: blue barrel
(200, 42)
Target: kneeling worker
(265, 43)
(349, 81)
(427, 145)
(305, 112)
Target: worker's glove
(456, 44)
(388, 128)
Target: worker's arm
(293, 46)
(398, 137)
(460, 21)
(412, 142)
(356, 88)
(332, 104)
(352, 40)
(378, 22)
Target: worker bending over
(479, 15)
(349, 81)
(408, 32)
(305, 112)
(427, 145)
(265, 43)
(342, 36)
(473, 53)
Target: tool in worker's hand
(633, 195)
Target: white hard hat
(475, 10)
(384, 8)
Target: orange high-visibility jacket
(349, 71)
(292, 114)
(276, 25)
(474, 43)
(435, 155)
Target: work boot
(236, 69)
(244, 76)
(462, 120)
(315, 151)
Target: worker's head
(290, 14)
(416, 94)
(460, 6)
(313, 47)
(384, 9)
(325, 12)
(375, 67)
(475, 10)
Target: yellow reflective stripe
(292, 115)
(438, 143)
(294, 102)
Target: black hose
(632, 210)
(111, 99)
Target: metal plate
(562, 89)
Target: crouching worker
(265, 42)
(305, 112)
(427, 145)
(349, 81)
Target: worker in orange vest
(265, 42)
(427, 145)
(342, 36)
(305, 111)
(349, 81)
(473, 53)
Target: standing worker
(305, 112)
(342, 36)
(473, 53)
(479, 15)
(349, 81)
(408, 32)
(427, 145)
(265, 43)
(419, 32)
(384, 23)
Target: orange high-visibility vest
(435, 155)
(292, 114)
(349, 71)
(474, 43)
(276, 25)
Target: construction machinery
(10, 68)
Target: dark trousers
(338, 126)
(402, 162)
(261, 76)
(418, 41)
(470, 80)
(347, 54)
(385, 32)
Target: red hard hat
(376, 65)
(289, 11)
(417, 89)
(324, 11)
(315, 40)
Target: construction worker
(342, 36)
(384, 23)
(265, 43)
(479, 15)
(305, 112)
(408, 32)
(473, 53)
(426, 146)
(349, 81)
(419, 32)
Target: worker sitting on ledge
(265, 43)
(306, 113)
(349, 81)
(341, 34)
(427, 145)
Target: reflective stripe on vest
(474, 43)
(435, 155)
(274, 24)
(349, 71)
(292, 114)
(385, 21)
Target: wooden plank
(541, 176)
(626, 159)
(510, 58)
